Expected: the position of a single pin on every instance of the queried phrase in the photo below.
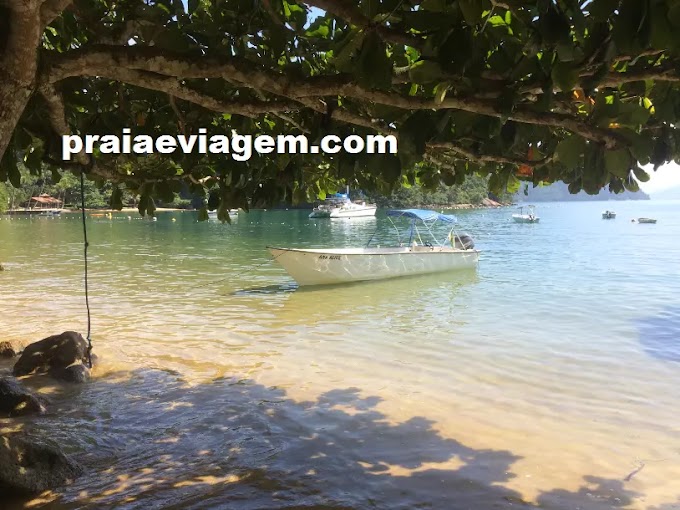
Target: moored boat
(354, 210)
(608, 215)
(323, 266)
(646, 220)
(324, 209)
(530, 217)
(339, 205)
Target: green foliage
(4, 198)
(478, 85)
(472, 191)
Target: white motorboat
(324, 209)
(340, 206)
(608, 215)
(530, 217)
(354, 210)
(322, 266)
(646, 220)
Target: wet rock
(7, 350)
(17, 400)
(74, 374)
(31, 465)
(54, 352)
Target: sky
(666, 177)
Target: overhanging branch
(116, 62)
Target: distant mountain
(558, 192)
(668, 194)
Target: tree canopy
(579, 91)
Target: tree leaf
(472, 10)
(640, 174)
(347, 49)
(618, 162)
(631, 184)
(203, 214)
(116, 199)
(570, 150)
(565, 75)
(374, 66)
(602, 9)
(425, 71)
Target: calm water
(545, 377)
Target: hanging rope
(86, 245)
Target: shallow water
(545, 377)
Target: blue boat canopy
(422, 215)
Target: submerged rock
(75, 373)
(30, 465)
(52, 353)
(17, 400)
(7, 350)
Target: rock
(58, 351)
(30, 465)
(7, 350)
(16, 400)
(78, 373)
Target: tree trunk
(18, 63)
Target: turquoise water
(544, 377)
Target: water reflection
(410, 297)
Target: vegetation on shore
(473, 191)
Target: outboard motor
(463, 242)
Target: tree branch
(115, 63)
(486, 158)
(51, 9)
(171, 86)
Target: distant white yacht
(340, 206)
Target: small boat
(608, 215)
(323, 210)
(339, 205)
(354, 210)
(526, 218)
(323, 266)
(646, 220)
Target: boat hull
(327, 267)
(353, 213)
(523, 218)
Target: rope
(85, 246)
